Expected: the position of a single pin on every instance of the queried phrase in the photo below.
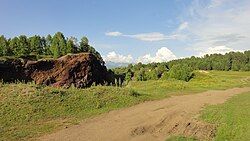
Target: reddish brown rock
(80, 70)
(12, 70)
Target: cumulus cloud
(151, 37)
(118, 58)
(115, 33)
(162, 55)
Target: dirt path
(154, 120)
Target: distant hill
(111, 65)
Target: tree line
(182, 69)
(235, 61)
(55, 46)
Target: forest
(44, 47)
(182, 69)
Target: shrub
(181, 72)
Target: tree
(20, 45)
(58, 45)
(48, 40)
(129, 75)
(23, 45)
(14, 45)
(138, 66)
(84, 45)
(152, 74)
(3, 46)
(160, 69)
(246, 67)
(95, 53)
(130, 66)
(238, 60)
(44, 46)
(70, 46)
(75, 42)
(140, 76)
(181, 72)
(47, 47)
(36, 45)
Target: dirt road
(149, 121)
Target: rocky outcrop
(80, 70)
(12, 70)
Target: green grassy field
(202, 81)
(231, 117)
(29, 110)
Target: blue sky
(136, 30)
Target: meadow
(202, 81)
(28, 110)
(232, 118)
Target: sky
(130, 31)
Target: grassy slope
(200, 82)
(231, 117)
(28, 110)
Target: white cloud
(220, 24)
(216, 49)
(154, 36)
(162, 55)
(183, 26)
(151, 37)
(115, 33)
(118, 58)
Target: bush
(181, 72)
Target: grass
(28, 110)
(231, 117)
(213, 80)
